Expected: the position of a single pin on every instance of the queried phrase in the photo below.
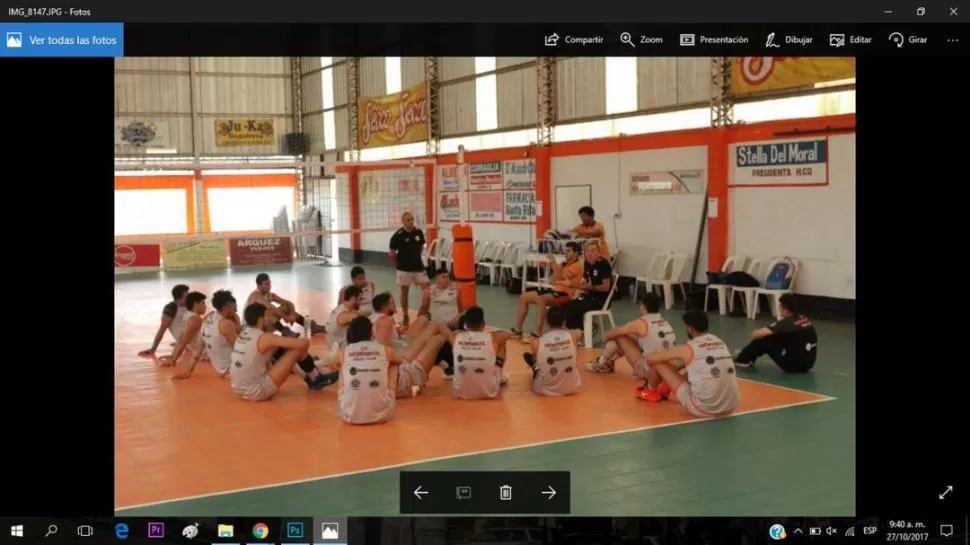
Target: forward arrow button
(550, 493)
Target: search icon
(51, 530)
(625, 38)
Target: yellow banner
(759, 74)
(245, 132)
(180, 255)
(401, 118)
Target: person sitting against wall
(594, 288)
(564, 279)
(791, 342)
(590, 228)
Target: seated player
(443, 303)
(173, 318)
(341, 316)
(594, 289)
(280, 309)
(711, 386)
(479, 359)
(565, 277)
(219, 331)
(368, 392)
(555, 369)
(359, 278)
(387, 334)
(262, 360)
(790, 342)
(190, 343)
(647, 334)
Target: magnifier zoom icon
(51, 530)
(625, 38)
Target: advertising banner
(485, 205)
(449, 206)
(485, 176)
(448, 177)
(759, 74)
(400, 118)
(142, 134)
(520, 206)
(520, 174)
(244, 132)
(138, 255)
(802, 161)
(183, 255)
(260, 251)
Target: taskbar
(446, 531)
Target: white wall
(648, 223)
(814, 224)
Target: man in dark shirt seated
(595, 288)
(790, 342)
(406, 246)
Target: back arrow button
(418, 493)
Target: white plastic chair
(758, 269)
(431, 251)
(444, 248)
(733, 263)
(677, 263)
(604, 313)
(511, 265)
(774, 296)
(496, 252)
(655, 270)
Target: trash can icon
(505, 492)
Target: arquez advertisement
(401, 118)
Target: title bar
(62, 39)
(501, 11)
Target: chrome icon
(260, 531)
(777, 532)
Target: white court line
(821, 399)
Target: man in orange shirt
(590, 228)
(565, 277)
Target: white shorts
(405, 278)
(409, 376)
(689, 401)
(260, 390)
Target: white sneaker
(504, 379)
(599, 365)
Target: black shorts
(549, 291)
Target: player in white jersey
(443, 303)
(367, 290)
(219, 331)
(388, 334)
(173, 318)
(555, 367)
(649, 333)
(711, 387)
(341, 316)
(262, 360)
(280, 309)
(189, 348)
(366, 394)
(479, 359)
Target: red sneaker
(649, 395)
(663, 390)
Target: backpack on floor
(514, 286)
(780, 276)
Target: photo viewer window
(552, 269)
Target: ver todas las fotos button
(73, 40)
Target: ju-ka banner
(760, 74)
(401, 118)
(244, 132)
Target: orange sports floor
(176, 440)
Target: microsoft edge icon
(121, 530)
(294, 530)
(777, 532)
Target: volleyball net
(322, 211)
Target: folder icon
(225, 530)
